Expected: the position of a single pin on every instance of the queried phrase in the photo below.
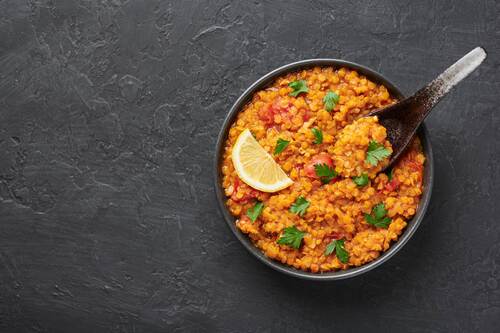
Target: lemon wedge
(256, 167)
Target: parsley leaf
(325, 173)
(376, 152)
(291, 236)
(280, 146)
(341, 252)
(300, 206)
(298, 87)
(337, 245)
(254, 212)
(330, 247)
(361, 180)
(330, 100)
(390, 174)
(378, 216)
(318, 136)
(379, 210)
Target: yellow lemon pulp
(256, 167)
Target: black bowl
(263, 82)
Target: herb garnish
(390, 174)
(337, 245)
(361, 180)
(378, 216)
(254, 212)
(376, 152)
(298, 87)
(318, 135)
(325, 172)
(280, 146)
(291, 236)
(300, 206)
(330, 100)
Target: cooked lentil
(336, 209)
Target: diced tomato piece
(310, 171)
(268, 112)
(266, 116)
(415, 166)
(236, 184)
(251, 193)
(322, 158)
(393, 184)
(245, 198)
(307, 115)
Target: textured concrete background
(109, 112)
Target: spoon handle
(431, 94)
(403, 118)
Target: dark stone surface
(109, 112)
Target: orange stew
(346, 218)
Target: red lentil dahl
(337, 210)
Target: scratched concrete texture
(109, 112)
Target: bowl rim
(246, 96)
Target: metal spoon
(403, 118)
